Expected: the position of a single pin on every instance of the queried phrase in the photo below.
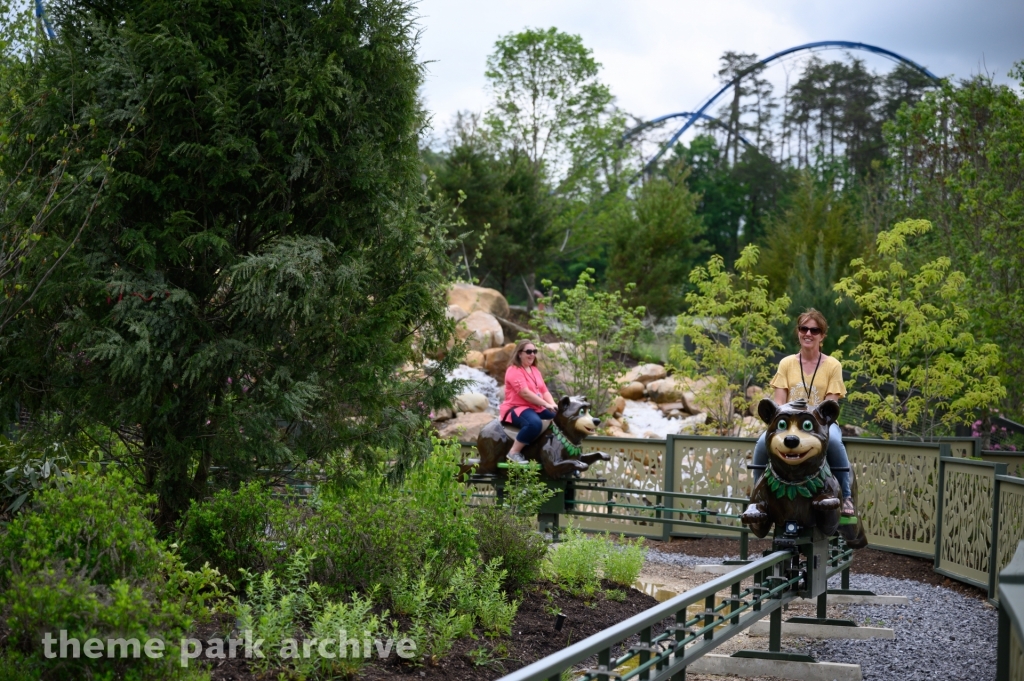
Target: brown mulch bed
(483, 659)
(871, 561)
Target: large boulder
(471, 403)
(632, 391)
(496, 361)
(477, 298)
(475, 359)
(669, 389)
(465, 427)
(457, 313)
(644, 373)
(482, 331)
(618, 406)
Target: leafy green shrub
(513, 540)
(86, 560)
(525, 492)
(477, 593)
(289, 609)
(574, 562)
(623, 562)
(371, 532)
(229, 531)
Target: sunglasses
(813, 330)
(529, 352)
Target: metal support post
(744, 545)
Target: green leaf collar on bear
(807, 487)
(570, 448)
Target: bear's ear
(767, 409)
(564, 403)
(828, 411)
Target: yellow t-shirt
(827, 380)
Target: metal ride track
(701, 112)
(777, 579)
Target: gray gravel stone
(940, 635)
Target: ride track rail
(665, 656)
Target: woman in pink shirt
(527, 400)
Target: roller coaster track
(701, 111)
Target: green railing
(688, 637)
(968, 521)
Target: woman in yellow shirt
(815, 377)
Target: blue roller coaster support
(43, 21)
(821, 44)
(647, 124)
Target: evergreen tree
(261, 265)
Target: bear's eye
(783, 425)
(808, 425)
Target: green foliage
(624, 561)
(283, 610)
(655, 242)
(730, 326)
(525, 492)
(229, 531)
(512, 540)
(919, 369)
(617, 595)
(30, 475)
(262, 256)
(956, 161)
(811, 285)
(575, 562)
(86, 560)
(736, 199)
(592, 326)
(505, 208)
(369, 532)
(547, 94)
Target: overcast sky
(661, 56)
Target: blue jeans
(530, 423)
(835, 454)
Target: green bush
(513, 540)
(575, 562)
(623, 562)
(229, 531)
(86, 560)
(371, 532)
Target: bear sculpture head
(797, 435)
(575, 419)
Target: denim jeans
(835, 454)
(530, 423)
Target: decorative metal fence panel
(962, 447)
(966, 529)
(897, 496)
(715, 466)
(1014, 461)
(1009, 527)
(634, 464)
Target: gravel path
(942, 634)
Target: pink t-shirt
(517, 378)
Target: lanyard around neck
(807, 390)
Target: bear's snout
(791, 441)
